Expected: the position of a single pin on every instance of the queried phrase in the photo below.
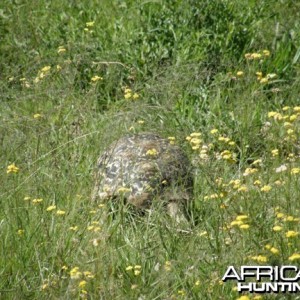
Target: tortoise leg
(176, 213)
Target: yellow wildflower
(297, 108)
(244, 226)
(60, 212)
(12, 169)
(274, 250)
(20, 232)
(241, 217)
(96, 78)
(127, 96)
(295, 171)
(250, 171)
(82, 284)
(242, 188)
(271, 114)
(243, 298)
(266, 53)
(90, 24)
(291, 234)
(277, 228)
(74, 228)
(266, 188)
(61, 49)
(135, 96)
(275, 152)
(280, 215)
(37, 200)
(257, 162)
(152, 152)
(257, 182)
(290, 219)
(167, 266)
(75, 273)
(259, 75)
(290, 131)
(260, 258)
(214, 131)
(129, 268)
(256, 55)
(264, 80)
(46, 69)
(239, 73)
(51, 207)
(236, 223)
(295, 256)
(88, 274)
(37, 116)
(172, 140)
(195, 134)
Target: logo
(264, 279)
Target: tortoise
(142, 167)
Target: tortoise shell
(142, 167)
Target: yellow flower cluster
(228, 156)
(51, 208)
(12, 169)
(214, 196)
(241, 222)
(137, 269)
(265, 79)
(44, 72)
(257, 55)
(152, 152)
(259, 258)
(250, 171)
(272, 249)
(295, 256)
(130, 95)
(168, 266)
(37, 200)
(94, 226)
(291, 234)
(37, 116)
(172, 140)
(61, 49)
(194, 140)
(89, 26)
(96, 78)
(266, 188)
(76, 274)
(288, 120)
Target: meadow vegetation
(221, 77)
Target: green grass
(182, 59)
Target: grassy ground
(226, 69)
